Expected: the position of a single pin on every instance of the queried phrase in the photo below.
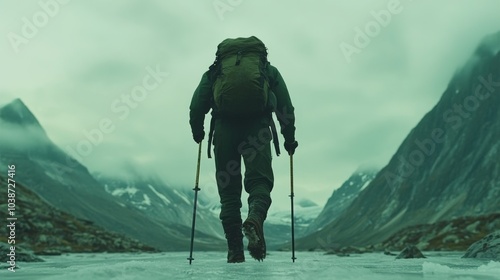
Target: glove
(291, 146)
(198, 137)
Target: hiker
(243, 89)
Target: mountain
(161, 202)
(157, 200)
(447, 167)
(278, 223)
(342, 198)
(46, 230)
(67, 185)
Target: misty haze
(396, 117)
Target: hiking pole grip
(196, 189)
(291, 202)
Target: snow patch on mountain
(130, 191)
(181, 196)
(161, 196)
(143, 205)
(366, 183)
(147, 201)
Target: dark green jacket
(202, 102)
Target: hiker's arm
(284, 107)
(200, 105)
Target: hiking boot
(234, 238)
(235, 248)
(253, 226)
(254, 232)
(236, 256)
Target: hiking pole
(291, 200)
(196, 189)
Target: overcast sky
(361, 75)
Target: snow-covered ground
(278, 265)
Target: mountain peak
(16, 112)
(490, 44)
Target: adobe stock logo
(31, 26)
(364, 36)
(223, 6)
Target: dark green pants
(234, 140)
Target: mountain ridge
(445, 168)
(66, 184)
(341, 198)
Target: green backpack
(240, 86)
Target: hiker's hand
(291, 146)
(198, 137)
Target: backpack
(240, 85)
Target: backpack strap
(275, 137)
(211, 136)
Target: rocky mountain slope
(45, 230)
(341, 199)
(447, 167)
(453, 235)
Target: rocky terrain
(453, 235)
(410, 252)
(486, 248)
(47, 231)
